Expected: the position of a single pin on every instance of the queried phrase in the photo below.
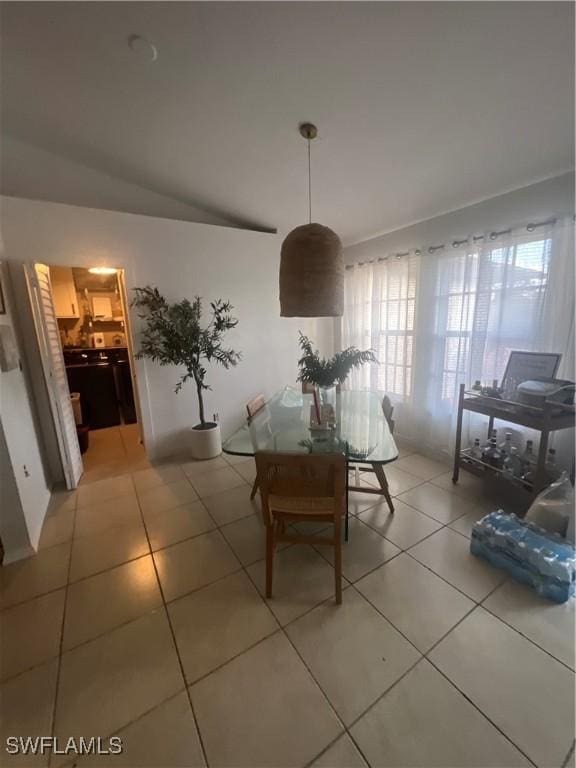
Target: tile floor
(142, 616)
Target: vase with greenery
(173, 334)
(326, 373)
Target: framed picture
(2, 304)
(527, 366)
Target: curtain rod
(457, 243)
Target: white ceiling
(422, 107)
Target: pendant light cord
(309, 187)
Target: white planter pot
(206, 443)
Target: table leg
(380, 474)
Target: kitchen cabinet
(64, 292)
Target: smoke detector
(142, 48)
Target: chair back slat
(255, 405)
(388, 410)
(300, 476)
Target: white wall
(554, 197)
(182, 259)
(23, 450)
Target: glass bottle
(506, 445)
(491, 454)
(512, 463)
(493, 436)
(477, 386)
(476, 450)
(528, 458)
(551, 468)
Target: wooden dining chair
(387, 410)
(253, 407)
(297, 488)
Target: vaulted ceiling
(422, 107)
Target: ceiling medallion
(311, 263)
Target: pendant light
(311, 263)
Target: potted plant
(326, 373)
(173, 335)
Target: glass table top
(283, 425)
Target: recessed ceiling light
(102, 270)
(143, 48)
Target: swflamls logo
(41, 745)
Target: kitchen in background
(91, 321)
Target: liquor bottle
(491, 455)
(506, 445)
(550, 466)
(493, 436)
(477, 386)
(528, 458)
(513, 464)
(476, 450)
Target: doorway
(85, 341)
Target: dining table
(360, 431)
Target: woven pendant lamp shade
(311, 273)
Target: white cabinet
(64, 292)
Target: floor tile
(354, 654)
(116, 678)
(232, 505)
(57, 528)
(31, 633)
(166, 737)
(358, 502)
(158, 475)
(549, 625)
(197, 468)
(233, 459)
(342, 754)
(421, 466)
(247, 470)
(364, 550)
(102, 490)
(96, 518)
(173, 525)
(27, 708)
(112, 546)
(216, 623)
(437, 502)
(425, 721)
(405, 527)
(194, 563)
(398, 480)
(464, 524)
(165, 497)
(469, 486)
(247, 537)
(525, 692)
(263, 709)
(418, 603)
(302, 580)
(37, 575)
(217, 481)
(448, 554)
(100, 603)
(60, 500)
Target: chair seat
(311, 505)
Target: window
(380, 312)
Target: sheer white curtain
(469, 307)
(379, 313)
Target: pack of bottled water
(545, 561)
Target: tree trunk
(200, 402)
